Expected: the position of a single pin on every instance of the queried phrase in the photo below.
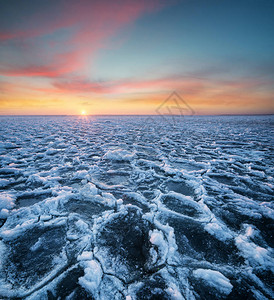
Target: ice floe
(107, 208)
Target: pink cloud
(89, 24)
(169, 83)
(100, 13)
(61, 64)
(80, 85)
(192, 87)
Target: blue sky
(217, 54)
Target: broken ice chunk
(214, 279)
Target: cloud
(80, 85)
(86, 103)
(85, 27)
(61, 64)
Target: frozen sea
(136, 207)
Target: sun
(83, 113)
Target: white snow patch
(215, 227)
(255, 254)
(92, 278)
(7, 202)
(37, 245)
(4, 182)
(82, 226)
(157, 239)
(219, 230)
(83, 174)
(172, 247)
(85, 255)
(4, 213)
(45, 218)
(119, 155)
(214, 279)
(88, 190)
(109, 199)
(35, 178)
(174, 292)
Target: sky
(70, 57)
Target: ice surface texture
(136, 207)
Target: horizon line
(152, 115)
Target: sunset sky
(127, 57)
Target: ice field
(137, 207)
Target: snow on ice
(105, 208)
